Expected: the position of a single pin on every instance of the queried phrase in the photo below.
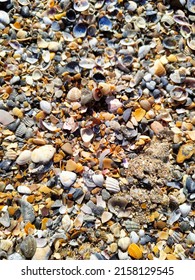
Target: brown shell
(28, 247)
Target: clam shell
(124, 243)
(112, 185)
(28, 247)
(106, 216)
(178, 94)
(87, 134)
(71, 15)
(81, 5)
(191, 42)
(37, 75)
(24, 157)
(43, 154)
(105, 24)
(45, 106)
(117, 205)
(185, 209)
(80, 30)
(98, 179)
(21, 130)
(87, 63)
(67, 178)
(181, 19)
(143, 51)
(185, 31)
(74, 94)
(176, 77)
(170, 43)
(4, 19)
(67, 223)
(191, 6)
(5, 117)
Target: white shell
(4, 19)
(79, 220)
(23, 190)
(123, 255)
(37, 75)
(87, 63)
(106, 216)
(86, 134)
(124, 243)
(191, 238)
(185, 209)
(134, 237)
(43, 154)
(24, 157)
(67, 223)
(45, 106)
(67, 178)
(74, 94)
(80, 5)
(11, 154)
(112, 185)
(98, 179)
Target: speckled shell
(28, 247)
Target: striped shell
(177, 236)
(24, 157)
(21, 130)
(28, 121)
(74, 94)
(131, 225)
(112, 185)
(11, 154)
(28, 247)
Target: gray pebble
(27, 211)
(151, 85)
(105, 195)
(5, 219)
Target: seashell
(175, 215)
(37, 75)
(5, 117)
(135, 251)
(87, 179)
(80, 30)
(170, 43)
(74, 94)
(191, 42)
(131, 225)
(177, 236)
(131, 6)
(105, 24)
(186, 151)
(189, 185)
(24, 157)
(134, 237)
(45, 106)
(181, 19)
(159, 69)
(5, 219)
(71, 15)
(28, 121)
(11, 154)
(27, 211)
(185, 31)
(140, 22)
(81, 5)
(176, 77)
(106, 216)
(190, 238)
(87, 134)
(87, 63)
(4, 19)
(98, 179)
(91, 30)
(99, 77)
(167, 20)
(112, 185)
(178, 94)
(24, 2)
(191, 6)
(143, 51)
(113, 104)
(21, 130)
(123, 243)
(67, 178)
(185, 209)
(23, 190)
(43, 154)
(117, 206)
(67, 223)
(28, 247)
(12, 126)
(86, 96)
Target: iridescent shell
(80, 30)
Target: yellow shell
(185, 152)
(17, 112)
(135, 251)
(159, 69)
(139, 114)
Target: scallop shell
(87, 134)
(81, 5)
(21, 130)
(24, 157)
(74, 94)
(117, 205)
(11, 154)
(112, 185)
(67, 178)
(177, 236)
(28, 121)
(28, 247)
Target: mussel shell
(105, 24)
(80, 30)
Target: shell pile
(97, 129)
